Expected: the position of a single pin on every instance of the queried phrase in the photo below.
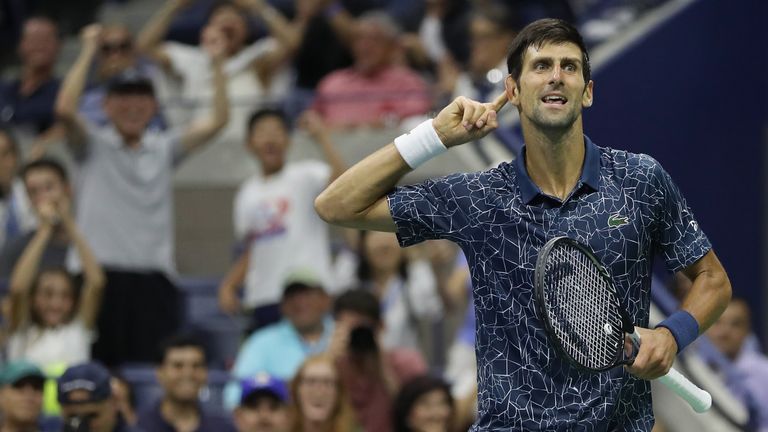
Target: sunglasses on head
(122, 47)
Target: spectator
(47, 185)
(424, 404)
(256, 74)
(125, 399)
(16, 216)
(28, 101)
(275, 219)
(371, 374)
(279, 349)
(320, 403)
(263, 405)
(374, 91)
(87, 402)
(125, 208)
(52, 320)
(461, 369)
(404, 284)
(491, 30)
(182, 373)
(117, 55)
(21, 396)
(747, 375)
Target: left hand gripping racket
(577, 301)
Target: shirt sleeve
(435, 209)
(240, 221)
(182, 57)
(679, 237)
(315, 175)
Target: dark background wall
(694, 95)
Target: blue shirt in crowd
(625, 206)
(278, 350)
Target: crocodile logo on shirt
(617, 220)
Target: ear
(588, 96)
(513, 92)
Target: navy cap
(263, 383)
(91, 377)
(130, 81)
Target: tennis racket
(577, 302)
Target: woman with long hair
(320, 402)
(424, 404)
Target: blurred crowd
(337, 338)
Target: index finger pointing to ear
(499, 102)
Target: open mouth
(554, 99)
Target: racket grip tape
(700, 400)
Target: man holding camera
(87, 404)
(371, 374)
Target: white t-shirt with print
(276, 217)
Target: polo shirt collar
(590, 172)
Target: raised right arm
(358, 198)
(68, 99)
(151, 36)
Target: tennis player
(624, 205)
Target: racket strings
(584, 309)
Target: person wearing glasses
(117, 55)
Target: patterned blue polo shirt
(625, 206)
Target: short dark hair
(410, 393)
(359, 301)
(182, 340)
(262, 113)
(49, 164)
(543, 31)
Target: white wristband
(420, 144)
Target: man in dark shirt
(182, 372)
(85, 395)
(624, 205)
(27, 102)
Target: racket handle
(699, 399)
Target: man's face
(101, 416)
(116, 53)
(306, 309)
(372, 47)
(731, 329)
(382, 251)
(21, 402)
(183, 373)
(489, 45)
(44, 186)
(39, 45)
(130, 113)
(264, 414)
(268, 140)
(551, 91)
(8, 161)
